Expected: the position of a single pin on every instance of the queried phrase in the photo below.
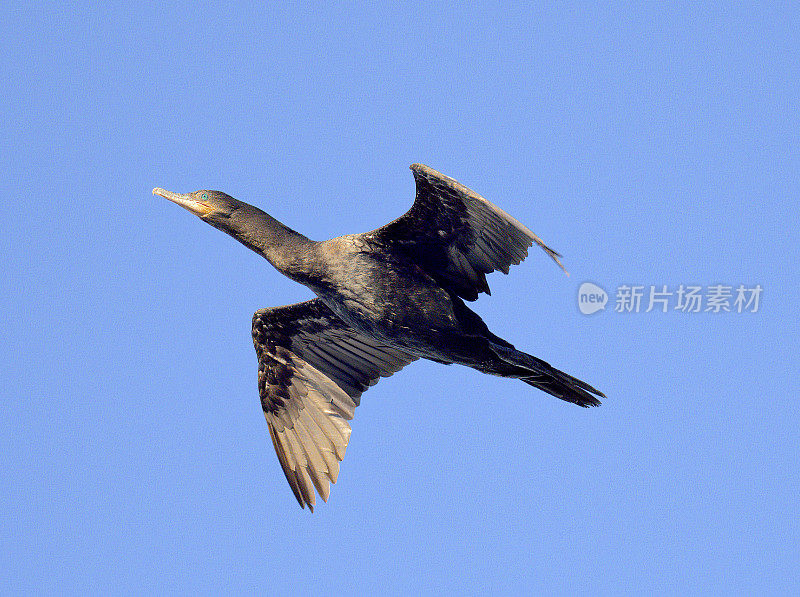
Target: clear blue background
(650, 143)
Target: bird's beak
(198, 208)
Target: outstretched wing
(457, 236)
(312, 370)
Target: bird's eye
(204, 196)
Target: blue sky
(651, 144)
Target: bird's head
(246, 223)
(219, 209)
(211, 206)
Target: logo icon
(591, 298)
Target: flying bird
(384, 299)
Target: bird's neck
(288, 251)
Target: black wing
(457, 236)
(312, 370)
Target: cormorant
(385, 299)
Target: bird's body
(385, 299)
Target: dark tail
(537, 373)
